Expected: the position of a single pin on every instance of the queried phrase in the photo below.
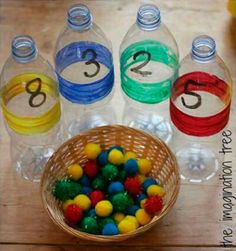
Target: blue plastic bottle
(84, 65)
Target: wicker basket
(165, 170)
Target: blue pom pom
(116, 147)
(92, 213)
(131, 167)
(84, 181)
(110, 229)
(148, 182)
(102, 158)
(86, 190)
(132, 210)
(141, 197)
(115, 187)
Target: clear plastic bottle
(31, 107)
(148, 65)
(199, 109)
(84, 65)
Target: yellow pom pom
(92, 150)
(82, 201)
(75, 171)
(132, 218)
(118, 217)
(126, 226)
(67, 203)
(116, 157)
(129, 155)
(141, 178)
(142, 202)
(142, 217)
(103, 208)
(145, 166)
(155, 190)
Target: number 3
(91, 61)
(186, 91)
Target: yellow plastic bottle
(232, 7)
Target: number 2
(186, 91)
(136, 69)
(35, 93)
(91, 61)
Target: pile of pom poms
(111, 193)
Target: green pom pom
(66, 189)
(99, 183)
(104, 221)
(121, 202)
(89, 225)
(109, 172)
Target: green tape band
(145, 92)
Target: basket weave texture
(165, 170)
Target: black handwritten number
(91, 61)
(35, 93)
(186, 91)
(136, 69)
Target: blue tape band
(80, 92)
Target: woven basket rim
(119, 237)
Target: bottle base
(157, 126)
(197, 164)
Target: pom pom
(153, 204)
(73, 214)
(92, 150)
(92, 213)
(75, 171)
(82, 201)
(142, 203)
(67, 203)
(115, 187)
(116, 157)
(84, 181)
(143, 217)
(133, 209)
(86, 190)
(104, 221)
(129, 155)
(118, 217)
(121, 202)
(66, 189)
(141, 197)
(155, 190)
(110, 229)
(89, 225)
(103, 208)
(122, 175)
(99, 183)
(96, 196)
(132, 185)
(109, 172)
(148, 182)
(145, 166)
(132, 218)
(131, 167)
(102, 158)
(141, 178)
(126, 226)
(91, 168)
(117, 148)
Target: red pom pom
(96, 196)
(91, 168)
(73, 213)
(153, 204)
(133, 186)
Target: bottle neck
(203, 49)
(79, 17)
(148, 17)
(23, 49)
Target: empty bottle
(84, 65)
(199, 109)
(148, 67)
(31, 107)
